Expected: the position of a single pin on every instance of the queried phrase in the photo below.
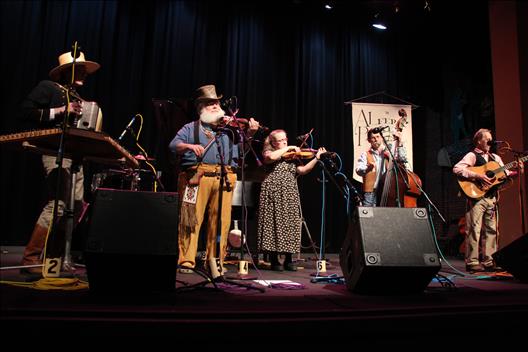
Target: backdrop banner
(367, 115)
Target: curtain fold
(291, 65)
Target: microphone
(379, 129)
(302, 137)
(230, 104)
(492, 143)
(126, 129)
(76, 51)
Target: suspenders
(196, 140)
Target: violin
(240, 123)
(304, 153)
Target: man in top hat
(198, 143)
(46, 106)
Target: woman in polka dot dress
(279, 217)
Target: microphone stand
(430, 203)
(357, 199)
(244, 138)
(53, 258)
(145, 155)
(215, 264)
(518, 156)
(395, 168)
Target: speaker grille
(132, 242)
(133, 223)
(389, 250)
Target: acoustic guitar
(492, 169)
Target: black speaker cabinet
(389, 251)
(132, 241)
(514, 258)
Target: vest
(492, 192)
(370, 177)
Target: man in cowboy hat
(198, 143)
(46, 106)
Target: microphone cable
(145, 154)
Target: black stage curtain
(292, 65)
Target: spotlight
(378, 22)
(396, 6)
(427, 6)
(328, 5)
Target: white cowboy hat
(66, 61)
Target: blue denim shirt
(186, 135)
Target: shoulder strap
(196, 138)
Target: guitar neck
(510, 165)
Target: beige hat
(66, 61)
(207, 92)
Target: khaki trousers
(481, 212)
(207, 199)
(50, 167)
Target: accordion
(91, 118)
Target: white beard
(211, 118)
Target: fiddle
(239, 123)
(304, 153)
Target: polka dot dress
(279, 218)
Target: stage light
(379, 26)
(427, 6)
(378, 22)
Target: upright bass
(401, 187)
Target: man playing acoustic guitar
(481, 209)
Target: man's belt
(207, 169)
(211, 174)
(195, 173)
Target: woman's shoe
(290, 267)
(277, 267)
(185, 270)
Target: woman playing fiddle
(279, 217)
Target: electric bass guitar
(492, 169)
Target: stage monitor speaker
(132, 242)
(514, 258)
(389, 251)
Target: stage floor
(297, 307)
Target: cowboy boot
(34, 248)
